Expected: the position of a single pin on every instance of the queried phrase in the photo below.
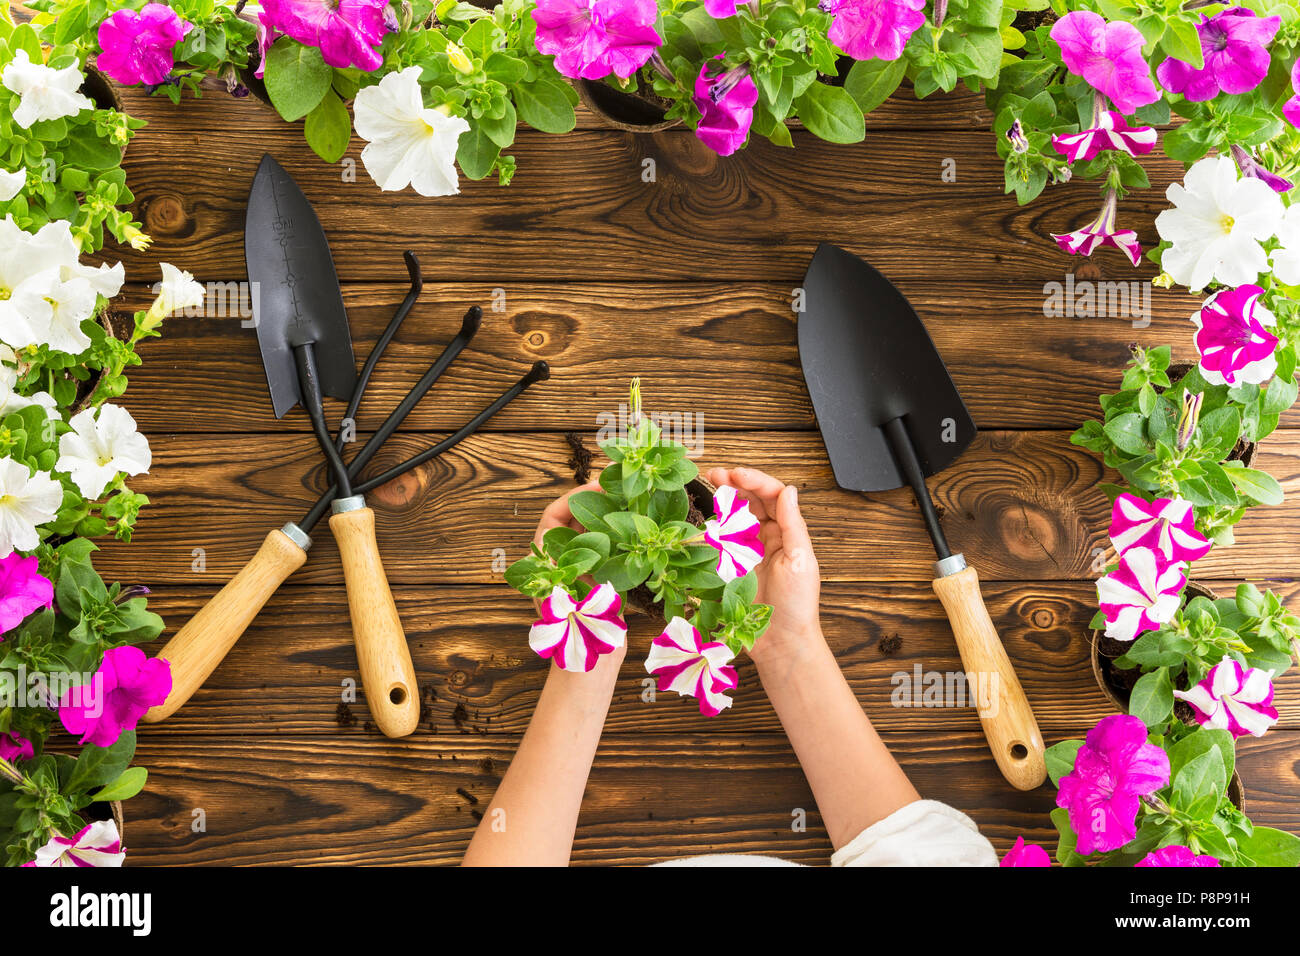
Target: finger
(758, 485)
(723, 476)
(794, 531)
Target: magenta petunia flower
(682, 661)
(1110, 133)
(1141, 594)
(1166, 525)
(1025, 854)
(1101, 231)
(96, 844)
(1234, 698)
(127, 684)
(1114, 768)
(348, 32)
(1233, 337)
(16, 747)
(1176, 856)
(1291, 108)
(590, 39)
(1108, 56)
(23, 589)
(575, 634)
(720, 9)
(1235, 48)
(137, 47)
(873, 29)
(726, 104)
(734, 532)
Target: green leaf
(1256, 485)
(547, 104)
(476, 153)
(130, 782)
(1152, 698)
(1269, 847)
(590, 508)
(98, 766)
(1128, 433)
(329, 128)
(297, 79)
(1182, 42)
(1202, 777)
(830, 113)
(1060, 759)
(870, 82)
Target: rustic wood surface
(686, 281)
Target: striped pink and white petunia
(1110, 133)
(734, 532)
(1166, 525)
(96, 844)
(1141, 594)
(682, 661)
(1234, 698)
(1233, 337)
(575, 634)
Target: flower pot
(640, 600)
(640, 112)
(101, 91)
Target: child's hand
(788, 577)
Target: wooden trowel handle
(385, 660)
(1004, 711)
(208, 636)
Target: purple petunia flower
(575, 634)
(873, 29)
(1141, 594)
(16, 747)
(23, 589)
(1025, 854)
(1233, 337)
(734, 532)
(138, 47)
(1234, 44)
(1087, 239)
(348, 32)
(1110, 133)
(682, 661)
(726, 104)
(1166, 525)
(1252, 167)
(1233, 698)
(127, 684)
(1108, 56)
(1113, 770)
(1176, 856)
(590, 39)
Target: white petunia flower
(46, 93)
(178, 291)
(407, 143)
(95, 451)
(26, 500)
(1217, 224)
(1286, 260)
(11, 184)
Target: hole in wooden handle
(1019, 751)
(398, 695)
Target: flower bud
(1189, 418)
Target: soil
(343, 715)
(1027, 20)
(889, 644)
(580, 460)
(487, 766)
(467, 796)
(460, 716)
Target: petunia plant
(643, 535)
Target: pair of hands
(788, 577)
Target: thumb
(795, 541)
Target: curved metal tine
(376, 353)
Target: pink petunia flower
(1114, 768)
(1025, 854)
(1235, 48)
(734, 532)
(1142, 594)
(1166, 525)
(127, 684)
(23, 589)
(1233, 337)
(138, 47)
(720, 9)
(16, 747)
(682, 661)
(1110, 133)
(347, 32)
(1101, 232)
(1291, 108)
(590, 39)
(575, 634)
(873, 29)
(96, 844)
(726, 104)
(1176, 856)
(1234, 698)
(1108, 56)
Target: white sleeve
(923, 833)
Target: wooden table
(685, 280)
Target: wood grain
(316, 800)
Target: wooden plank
(579, 209)
(725, 354)
(287, 675)
(1022, 505)
(330, 801)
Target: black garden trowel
(890, 415)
